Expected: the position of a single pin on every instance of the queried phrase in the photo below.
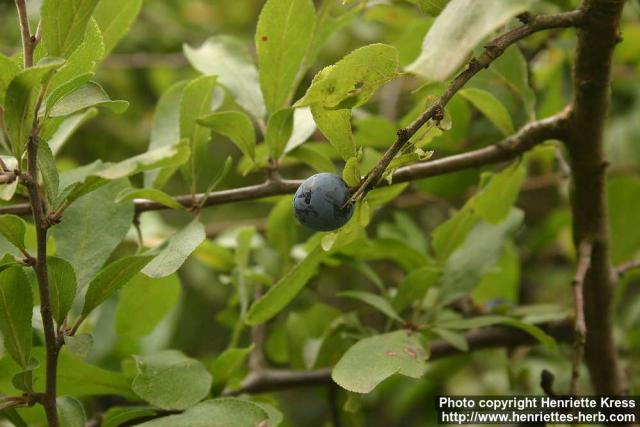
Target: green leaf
(372, 360)
(502, 284)
(354, 79)
(314, 157)
(280, 232)
(63, 24)
(144, 302)
(351, 172)
(623, 200)
(461, 26)
(115, 17)
(227, 412)
(67, 88)
(20, 102)
(456, 339)
(228, 58)
(303, 128)
(279, 129)
(16, 305)
(432, 7)
(173, 252)
(8, 70)
(110, 279)
(71, 412)
(13, 228)
(215, 256)
(336, 126)
(226, 365)
(415, 286)
(79, 345)
(92, 228)
(59, 136)
(491, 108)
(171, 380)
(83, 60)
(283, 35)
(512, 68)
(154, 159)
(165, 130)
(49, 171)
(374, 301)
(483, 321)
(62, 286)
(283, 292)
(494, 202)
(148, 194)
(236, 126)
(383, 195)
(478, 254)
(118, 416)
(88, 95)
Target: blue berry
(318, 203)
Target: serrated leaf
(457, 31)
(278, 296)
(372, 360)
(354, 79)
(228, 58)
(115, 17)
(144, 302)
(491, 108)
(110, 279)
(88, 95)
(283, 35)
(16, 305)
(170, 380)
(64, 23)
(234, 125)
(336, 127)
(62, 286)
(13, 228)
(226, 412)
(279, 129)
(375, 301)
(20, 100)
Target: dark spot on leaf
(264, 38)
(331, 89)
(391, 353)
(411, 352)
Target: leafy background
(513, 266)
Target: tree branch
(580, 328)
(624, 268)
(29, 41)
(592, 73)
(491, 337)
(525, 139)
(492, 51)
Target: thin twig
(580, 328)
(492, 51)
(478, 339)
(28, 43)
(526, 138)
(624, 268)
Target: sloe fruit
(318, 203)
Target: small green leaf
(236, 126)
(354, 79)
(229, 58)
(49, 171)
(80, 345)
(279, 131)
(374, 301)
(432, 7)
(16, 305)
(415, 286)
(456, 339)
(372, 360)
(118, 416)
(280, 232)
(286, 289)
(494, 202)
(62, 286)
(63, 24)
(314, 157)
(144, 302)
(20, 100)
(67, 88)
(89, 95)
(13, 229)
(512, 68)
(173, 252)
(336, 126)
(171, 380)
(227, 412)
(283, 35)
(351, 172)
(115, 17)
(8, 70)
(148, 194)
(491, 108)
(110, 279)
(458, 30)
(383, 195)
(226, 365)
(70, 412)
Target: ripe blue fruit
(318, 203)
